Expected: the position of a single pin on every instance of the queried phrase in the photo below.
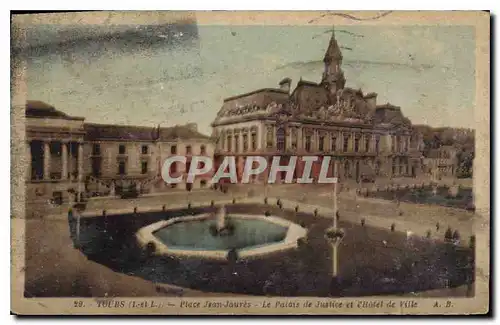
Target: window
(254, 141)
(144, 167)
(173, 149)
(203, 183)
(96, 149)
(269, 137)
(121, 168)
(229, 143)
(356, 144)
(280, 139)
(377, 144)
(203, 150)
(121, 149)
(321, 143)
(245, 142)
(308, 143)
(294, 138)
(173, 168)
(145, 150)
(333, 144)
(188, 150)
(367, 143)
(346, 143)
(96, 166)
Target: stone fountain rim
(145, 235)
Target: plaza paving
(54, 267)
(371, 260)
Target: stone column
(28, 160)
(80, 171)
(299, 138)
(241, 141)
(46, 160)
(288, 137)
(64, 146)
(233, 142)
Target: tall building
(323, 119)
(71, 159)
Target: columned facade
(72, 161)
(322, 119)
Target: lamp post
(334, 235)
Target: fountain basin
(254, 235)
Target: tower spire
(333, 77)
(333, 52)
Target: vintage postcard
(322, 163)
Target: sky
(180, 74)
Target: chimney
(285, 84)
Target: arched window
(280, 139)
(269, 137)
(245, 141)
(308, 143)
(321, 144)
(254, 140)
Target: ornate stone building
(325, 119)
(71, 159)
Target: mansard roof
(180, 132)
(39, 109)
(304, 83)
(307, 83)
(119, 132)
(390, 114)
(388, 106)
(140, 133)
(263, 90)
(252, 102)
